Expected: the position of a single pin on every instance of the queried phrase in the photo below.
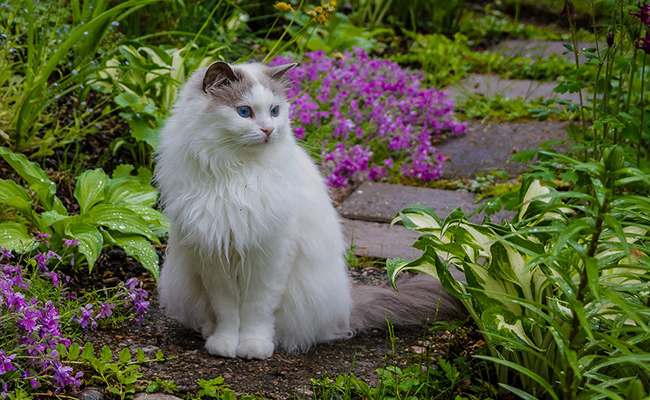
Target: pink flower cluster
(32, 327)
(380, 119)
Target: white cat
(255, 256)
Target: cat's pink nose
(267, 131)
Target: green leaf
(106, 354)
(142, 132)
(90, 189)
(14, 237)
(14, 195)
(524, 371)
(73, 351)
(90, 240)
(126, 99)
(89, 352)
(158, 222)
(132, 190)
(125, 356)
(139, 248)
(32, 173)
(420, 218)
(121, 219)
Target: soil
(283, 375)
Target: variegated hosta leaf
(495, 322)
(418, 218)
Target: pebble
(155, 396)
(91, 394)
(303, 392)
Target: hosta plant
(561, 293)
(114, 211)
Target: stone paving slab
(375, 239)
(491, 85)
(533, 48)
(380, 202)
(379, 240)
(489, 146)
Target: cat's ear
(217, 73)
(278, 71)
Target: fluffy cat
(255, 257)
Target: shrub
(370, 116)
(562, 291)
(114, 211)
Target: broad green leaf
(132, 190)
(32, 173)
(139, 248)
(516, 329)
(14, 237)
(50, 218)
(123, 170)
(535, 191)
(14, 195)
(158, 222)
(90, 240)
(90, 189)
(121, 219)
(421, 221)
(142, 132)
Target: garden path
(484, 147)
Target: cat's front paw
(255, 348)
(219, 345)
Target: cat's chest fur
(232, 210)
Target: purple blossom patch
(374, 111)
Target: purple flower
(63, 375)
(5, 253)
(643, 14)
(644, 43)
(71, 242)
(43, 259)
(569, 9)
(131, 283)
(368, 104)
(86, 318)
(105, 310)
(5, 362)
(42, 238)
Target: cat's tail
(420, 298)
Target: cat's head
(249, 102)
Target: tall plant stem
(574, 37)
(641, 125)
(205, 24)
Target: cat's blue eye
(275, 111)
(244, 111)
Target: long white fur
(255, 249)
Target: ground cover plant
(42, 316)
(363, 115)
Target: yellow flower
(334, 3)
(282, 6)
